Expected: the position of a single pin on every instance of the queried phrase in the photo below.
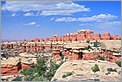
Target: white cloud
(113, 27)
(68, 19)
(31, 23)
(13, 14)
(95, 18)
(98, 18)
(65, 9)
(46, 8)
(112, 24)
(28, 14)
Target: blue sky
(44, 19)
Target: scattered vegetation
(67, 74)
(96, 44)
(102, 58)
(118, 63)
(88, 48)
(107, 73)
(18, 78)
(28, 71)
(96, 79)
(95, 68)
(88, 41)
(41, 72)
(62, 56)
(111, 70)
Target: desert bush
(18, 78)
(101, 58)
(67, 74)
(28, 71)
(118, 63)
(95, 68)
(111, 70)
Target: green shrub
(62, 56)
(28, 71)
(36, 79)
(67, 74)
(88, 47)
(95, 68)
(23, 71)
(17, 79)
(96, 44)
(118, 63)
(111, 70)
(88, 41)
(107, 73)
(101, 58)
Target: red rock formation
(56, 55)
(98, 36)
(47, 40)
(106, 36)
(115, 37)
(59, 39)
(9, 69)
(41, 40)
(36, 40)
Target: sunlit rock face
(115, 37)
(81, 35)
(107, 36)
(36, 40)
(98, 36)
(41, 40)
(81, 71)
(47, 40)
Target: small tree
(53, 67)
(18, 78)
(67, 74)
(88, 47)
(41, 66)
(118, 63)
(95, 68)
(62, 56)
(29, 71)
(111, 70)
(96, 44)
(88, 41)
(102, 58)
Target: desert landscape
(103, 50)
(57, 40)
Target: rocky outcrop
(115, 37)
(81, 71)
(81, 35)
(106, 36)
(47, 40)
(41, 40)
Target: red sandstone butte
(115, 37)
(41, 40)
(47, 40)
(107, 36)
(98, 36)
(81, 35)
(36, 40)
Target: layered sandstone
(81, 35)
(81, 70)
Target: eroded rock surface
(81, 70)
